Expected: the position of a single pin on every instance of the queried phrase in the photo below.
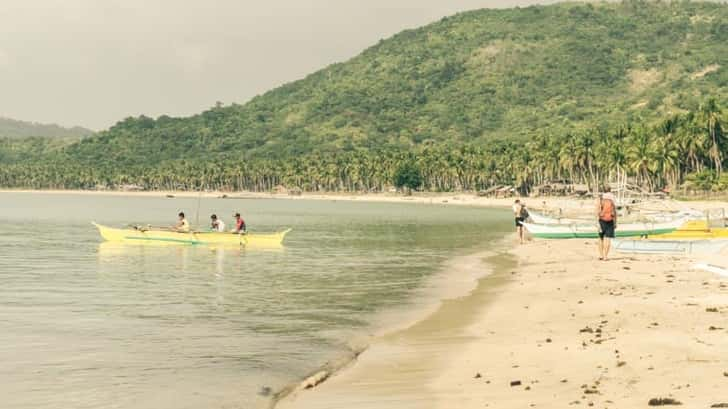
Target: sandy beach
(568, 206)
(552, 328)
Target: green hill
(459, 96)
(470, 77)
(14, 129)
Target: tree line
(686, 149)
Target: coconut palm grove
(582, 92)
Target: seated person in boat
(216, 225)
(182, 225)
(239, 225)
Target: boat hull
(591, 231)
(202, 238)
(654, 246)
(695, 230)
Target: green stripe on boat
(163, 239)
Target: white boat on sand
(590, 231)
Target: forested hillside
(491, 96)
(14, 129)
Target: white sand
(573, 330)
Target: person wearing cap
(240, 227)
(182, 225)
(216, 224)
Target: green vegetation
(520, 96)
(408, 176)
(13, 129)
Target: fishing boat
(538, 218)
(542, 219)
(653, 246)
(140, 234)
(695, 230)
(586, 231)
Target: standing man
(240, 227)
(518, 213)
(607, 215)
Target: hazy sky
(93, 62)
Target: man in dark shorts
(607, 211)
(521, 214)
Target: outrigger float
(141, 234)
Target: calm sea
(90, 325)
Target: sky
(95, 62)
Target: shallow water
(91, 325)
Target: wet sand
(553, 328)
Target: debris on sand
(711, 309)
(315, 380)
(663, 402)
(478, 375)
(719, 405)
(515, 383)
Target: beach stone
(478, 375)
(663, 402)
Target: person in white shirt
(182, 225)
(520, 214)
(217, 224)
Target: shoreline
(458, 278)
(560, 329)
(493, 266)
(568, 205)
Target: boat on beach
(158, 235)
(590, 231)
(655, 246)
(539, 218)
(694, 230)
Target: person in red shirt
(239, 225)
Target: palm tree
(709, 119)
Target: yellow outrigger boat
(694, 230)
(140, 234)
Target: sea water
(86, 324)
